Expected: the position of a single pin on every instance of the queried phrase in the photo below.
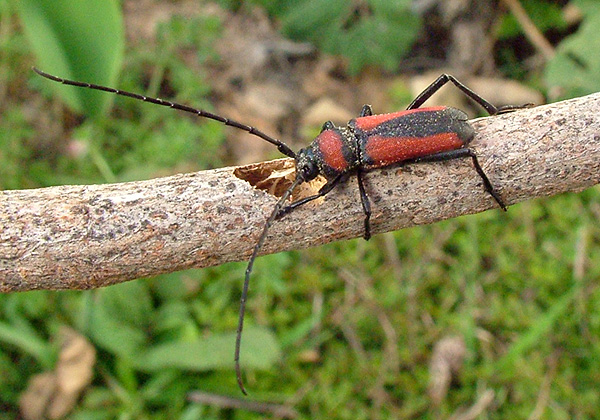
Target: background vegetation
(344, 331)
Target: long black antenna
(282, 147)
(257, 247)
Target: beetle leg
(366, 205)
(323, 191)
(366, 111)
(445, 78)
(465, 152)
(441, 81)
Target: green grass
(346, 330)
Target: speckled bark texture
(82, 237)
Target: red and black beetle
(367, 142)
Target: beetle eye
(309, 171)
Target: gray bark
(82, 237)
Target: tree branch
(82, 237)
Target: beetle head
(306, 164)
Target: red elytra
(371, 121)
(386, 151)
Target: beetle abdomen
(387, 139)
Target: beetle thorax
(333, 152)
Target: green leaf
(539, 330)
(110, 333)
(308, 18)
(121, 316)
(129, 303)
(260, 350)
(586, 6)
(24, 337)
(377, 32)
(544, 16)
(76, 39)
(576, 67)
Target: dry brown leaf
(446, 361)
(37, 396)
(54, 394)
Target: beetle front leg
(323, 191)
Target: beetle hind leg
(466, 152)
(366, 204)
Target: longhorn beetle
(367, 142)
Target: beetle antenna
(257, 247)
(281, 146)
